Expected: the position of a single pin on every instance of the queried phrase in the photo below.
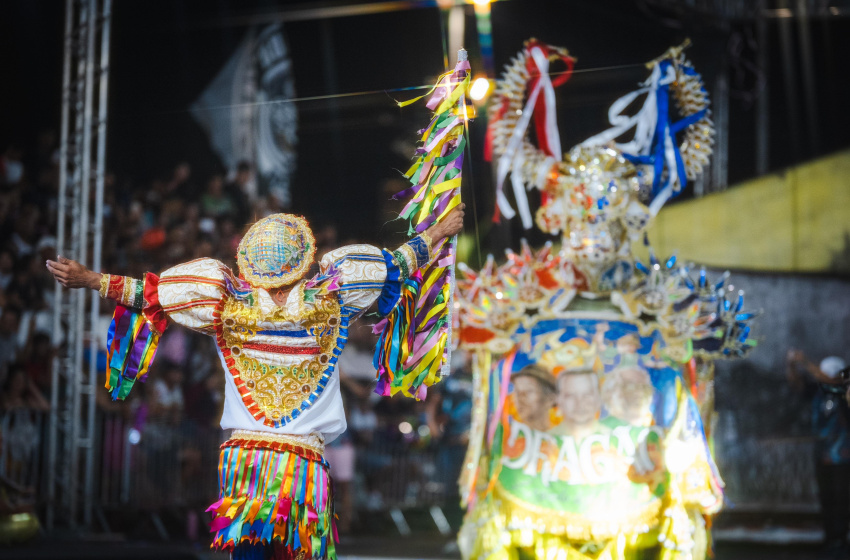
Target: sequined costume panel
(362, 274)
(280, 358)
(190, 292)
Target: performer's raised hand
(451, 225)
(72, 274)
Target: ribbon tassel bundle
(131, 346)
(274, 493)
(415, 343)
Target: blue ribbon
(663, 130)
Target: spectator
(179, 186)
(214, 203)
(7, 268)
(11, 166)
(355, 375)
(238, 193)
(449, 417)
(831, 426)
(19, 392)
(174, 348)
(38, 356)
(9, 322)
(166, 402)
(25, 290)
(204, 401)
(229, 237)
(25, 233)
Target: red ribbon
(534, 77)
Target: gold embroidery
(104, 285)
(128, 294)
(279, 390)
(429, 242)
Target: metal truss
(71, 458)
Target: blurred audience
(449, 419)
(169, 428)
(241, 192)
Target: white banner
(247, 111)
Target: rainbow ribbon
(414, 345)
(130, 349)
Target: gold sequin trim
(428, 241)
(410, 257)
(104, 285)
(313, 442)
(129, 294)
(522, 515)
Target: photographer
(831, 426)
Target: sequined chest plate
(280, 361)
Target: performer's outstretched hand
(72, 274)
(452, 225)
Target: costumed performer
(278, 337)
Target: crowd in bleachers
(174, 416)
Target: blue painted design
(420, 250)
(294, 334)
(391, 294)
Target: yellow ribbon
(415, 99)
(455, 95)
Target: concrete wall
(762, 437)
(797, 220)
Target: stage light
(405, 428)
(480, 88)
(134, 436)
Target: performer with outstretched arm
(279, 337)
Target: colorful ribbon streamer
(131, 346)
(414, 347)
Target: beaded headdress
(276, 251)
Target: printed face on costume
(627, 393)
(629, 344)
(533, 400)
(579, 398)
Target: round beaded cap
(276, 251)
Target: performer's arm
(186, 294)
(127, 291)
(417, 252)
(363, 274)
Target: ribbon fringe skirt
(273, 496)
